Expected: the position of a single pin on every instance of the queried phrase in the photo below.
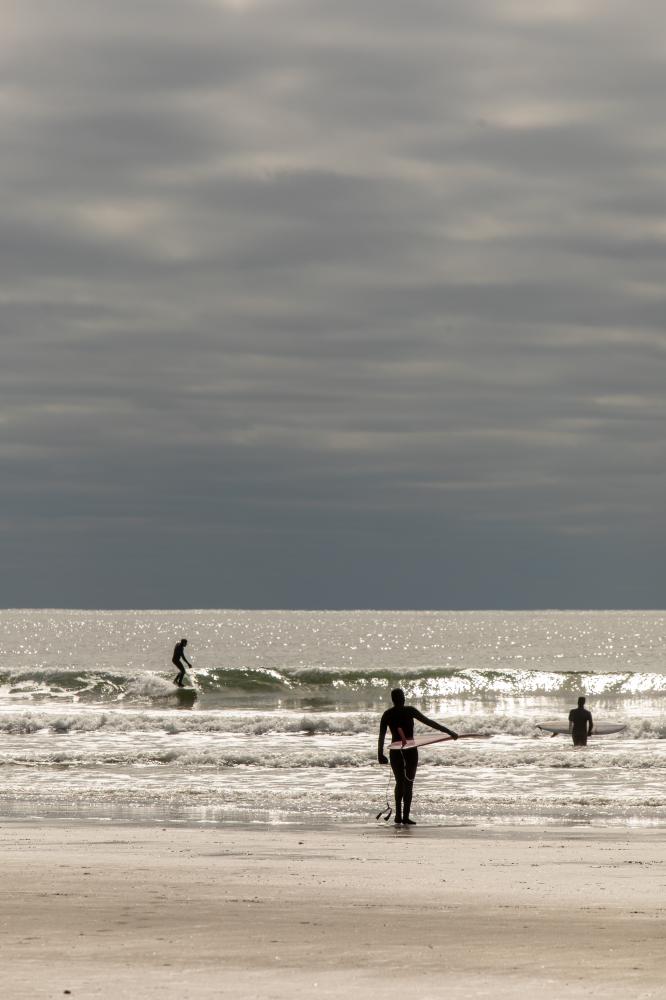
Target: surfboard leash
(386, 814)
(404, 762)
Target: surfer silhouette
(400, 720)
(177, 660)
(580, 724)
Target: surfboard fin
(385, 814)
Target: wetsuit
(581, 725)
(178, 656)
(400, 721)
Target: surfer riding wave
(180, 660)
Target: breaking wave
(422, 682)
(62, 721)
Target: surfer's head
(581, 702)
(183, 642)
(398, 697)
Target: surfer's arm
(434, 725)
(381, 756)
(590, 726)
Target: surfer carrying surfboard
(580, 724)
(177, 660)
(400, 720)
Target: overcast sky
(356, 303)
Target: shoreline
(508, 826)
(24, 810)
(295, 911)
(514, 828)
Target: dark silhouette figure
(177, 660)
(400, 721)
(580, 724)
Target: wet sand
(295, 912)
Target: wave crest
(424, 682)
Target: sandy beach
(112, 910)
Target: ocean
(284, 727)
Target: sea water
(284, 728)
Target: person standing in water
(177, 660)
(400, 720)
(580, 724)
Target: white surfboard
(422, 741)
(600, 728)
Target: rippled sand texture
(300, 912)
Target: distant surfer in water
(400, 720)
(177, 660)
(580, 724)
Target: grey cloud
(324, 303)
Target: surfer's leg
(411, 764)
(181, 673)
(398, 766)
